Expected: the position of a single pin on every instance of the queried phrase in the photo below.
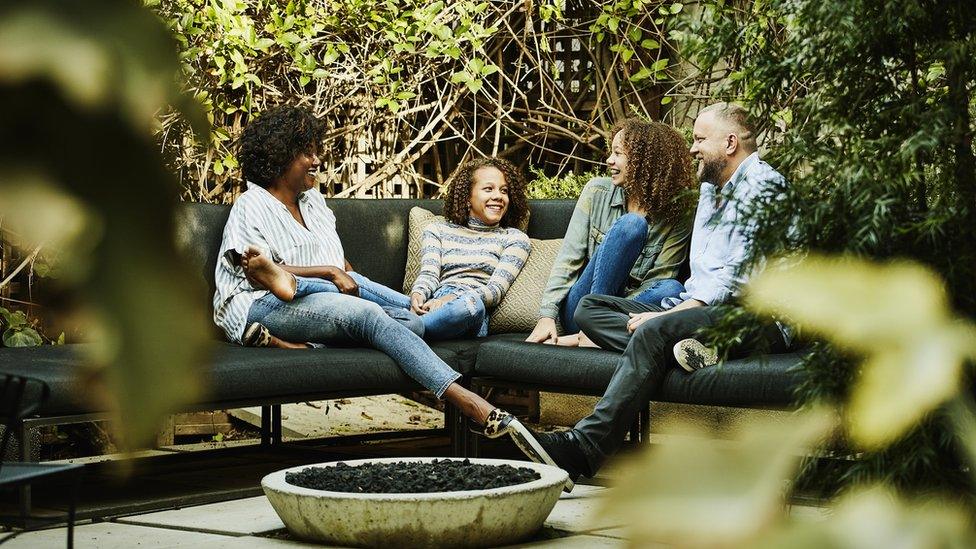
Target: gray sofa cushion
(246, 375)
(766, 381)
(56, 365)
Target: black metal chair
(19, 398)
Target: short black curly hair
(457, 200)
(274, 139)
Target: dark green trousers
(647, 357)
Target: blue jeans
(336, 318)
(464, 316)
(659, 291)
(396, 305)
(607, 271)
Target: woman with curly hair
(469, 261)
(280, 250)
(629, 233)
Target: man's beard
(711, 171)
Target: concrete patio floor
(251, 522)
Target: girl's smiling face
(489, 195)
(617, 161)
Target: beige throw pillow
(519, 309)
(417, 221)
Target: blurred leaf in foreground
(895, 315)
(694, 491)
(876, 517)
(80, 84)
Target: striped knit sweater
(482, 258)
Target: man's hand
(544, 332)
(636, 319)
(345, 283)
(417, 304)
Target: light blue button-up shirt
(720, 239)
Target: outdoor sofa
(374, 235)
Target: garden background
(867, 106)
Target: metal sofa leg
(26, 452)
(276, 424)
(645, 424)
(640, 429)
(452, 424)
(265, 425)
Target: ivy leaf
(650, 44)
(5, 314)
(659, 65)
(25, 337)
(17, 320)
(626, 53)
(643, 74)
(474, 85)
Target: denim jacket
(600, 204)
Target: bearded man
(732, 179)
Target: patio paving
(251, 522)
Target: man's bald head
(734, 119)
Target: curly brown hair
(660, 169)
(457, 199)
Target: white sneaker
(692, 355)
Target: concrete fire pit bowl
(475, 518)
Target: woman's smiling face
(489, 195)
(617, 161)
(300, 174)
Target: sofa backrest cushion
(373, 233)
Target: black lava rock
(404, 477)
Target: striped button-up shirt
(721, 237)
(258, 218)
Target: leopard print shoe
(498, 423)
(256, 335)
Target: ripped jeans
(395, 304)
(321, 314)
(463, 316)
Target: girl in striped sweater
(470, 261)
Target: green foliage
(895, 316)
(562, 186)
(867, 107)
(87, 80)
(411, 72)
(232, 51)
(18, 332)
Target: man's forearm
(689, 303)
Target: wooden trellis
(557, 93)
